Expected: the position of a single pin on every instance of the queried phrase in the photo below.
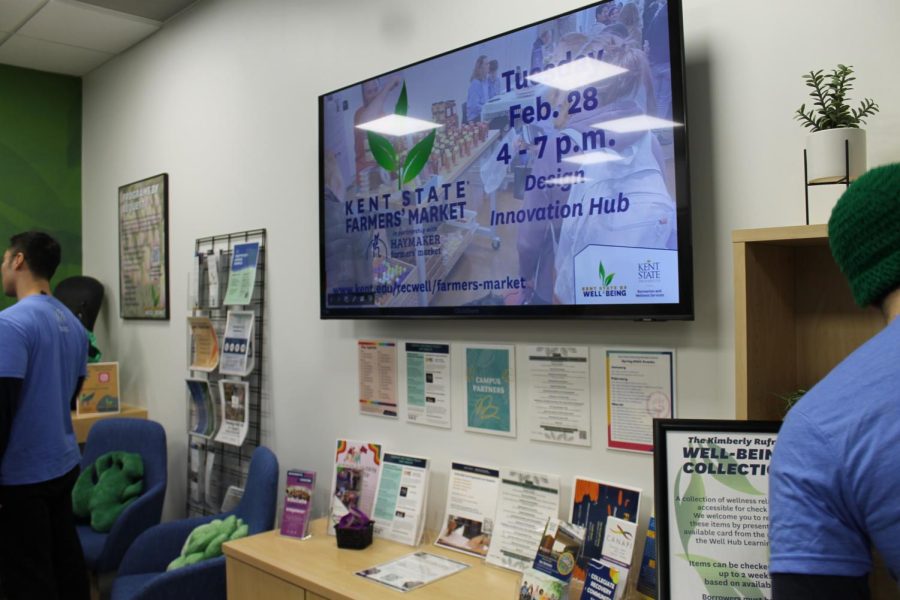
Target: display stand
(231, 463)
(845, 180)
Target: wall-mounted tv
(539, 173)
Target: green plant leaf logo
(383, 151)
(402, 102)
(417, 158)
(688, 508)
(736, 481)
(604, 278)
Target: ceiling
(74, 37)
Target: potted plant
(832, 121)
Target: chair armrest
(141, 515)
(155, 548)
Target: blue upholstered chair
(104, 551)
(143, 575)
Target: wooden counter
(274, 567)
(82, 423)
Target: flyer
(298, 495)
(471, 505)
(401, 498)
(593, 502)
(561, 544)
(378, 378)
(202, 411)
(640, 387)
(196, 470)
(646, 582)
(204, 344)
(491, 390)
(428, 384)
(559, 393)
(235, 412)
(413, 571)
(606, 580)
(540, 586)
(100, 390)
(355, 479)
(194, 282)
(526, 501)
(618, 540)
(237, 345)
(242, 275)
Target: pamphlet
(204, 344)
(242, 276)
(471, 505)
(297, 503)
(413, 571)
(560, 545)
(618, 540)
(526, 501)
(540, 586)
(592, 503)
(606, 580)
(491, 390)
(234, 397)
(194, 282)
(559, 391)
(378, 378)
(428, 384)
(355, 479)
(400, 501)
(212, 277)
(640, 387)
(100, 390)
(237, 346)
(232, 498)
(196, 472)
(202, 411)
(646, 582)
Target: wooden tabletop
(82, 423)
(319, 566)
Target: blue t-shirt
(834, 485)
(45, 345)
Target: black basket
(354, 538)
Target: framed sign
(144, 249)
(712, 511)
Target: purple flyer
(297, 503)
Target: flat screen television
(540, 173)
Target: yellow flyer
(100, 392)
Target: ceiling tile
(23, 51)
(85, 26)
(158, 10)
(14, 12)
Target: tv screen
(539, 173)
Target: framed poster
(712, 510)
(144, 249)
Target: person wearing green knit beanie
(835, 471)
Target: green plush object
(107, 488)
(206, 540)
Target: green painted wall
(40, 160)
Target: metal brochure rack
(230, 464)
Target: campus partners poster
(712, 482)
(144, 249)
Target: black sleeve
(74, 399)
(10, 388)
(794, 586)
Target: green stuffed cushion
(107, 488)
(206, 540)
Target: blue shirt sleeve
(811, 525)
(13, 351)
(474, 100)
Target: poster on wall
(144, 249)
(640, 387)
(712, 486)
(559, 393)
(428, 384)
(491, 390)
(377, 360)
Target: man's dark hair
(42, 253)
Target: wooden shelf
(795, 318)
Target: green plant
(791, 399)
(829, 94)
(386, 156)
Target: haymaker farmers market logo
(386, 156)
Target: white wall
(224, 100)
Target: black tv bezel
(683, 310)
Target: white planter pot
(825, 157)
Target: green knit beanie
(864, 233)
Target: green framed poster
(144, 249)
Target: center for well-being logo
(386, 155)
(605, 279)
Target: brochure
(592, 503)
(204, 344)
(234, 396)
(540, 586)
(212, 278)
(559, 391)
(560, 545)
(471, 505)
(355, 479)
(100, 390)
(237, 346)
(232, 498)
(606, 580)
(618, 540)
(298, 496)
(400, 501)
(378, 378)
(526, 501)
(196, 471)
(194, 282)
(646, 582)
(202, 411)
(242, 276)
(491, 390)
(413, 571)
(428, 384)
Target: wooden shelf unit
(795, 318)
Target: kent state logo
(649, 270)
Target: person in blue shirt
(835, 474)
(477, 94)
(43, 358)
